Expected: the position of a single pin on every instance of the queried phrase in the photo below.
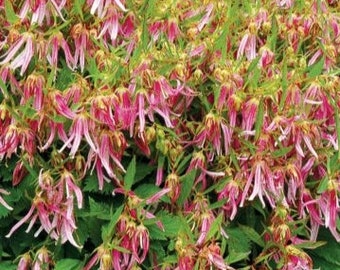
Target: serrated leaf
(259, 119)
(329, 254)
(237, 241)
(218, 204)
(146, 190)
(98, 210)
(143, 170)
(187, 182)
(252, 235)
(282, 151)
(130, 174)
(78, 7)
(173, 224)
(3, 87)
(107, 231)
(284, 85)
(215, 227)
(323, 185)
(317, 68)
(155, 232)
(10, 14)
(69, 264)
(235, 256)
(7, 265)
(311, 245)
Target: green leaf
(323, 185)
(235, 256)
(155, 232)
(98, 210)
(108, 231)
(4, 88)
(78, 7)
(10, 14)
(252, 235)
(316, 69)
(173, 224)
(311, 245)
(143, 170)
(7, 265)
(145, 191)
(284, 84)
(282, 151)
(69, 264)
(237, 242)
(259, 119)
(130, 174)
(187, 182)
(215, 227)
(218, 204)
(329, 254)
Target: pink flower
(71, 188)
(81, 126)
(249, 113)
(140, 243)
(172, 183)
(125, 109)
(33, 88)
(56, 42)
(55, 212)
(232, 193)
(212, 253)
(82, 44)
(297, 259)
(24, 57)
(206, 219)
(172, 29)
(9, 141)
(329, 205)
(111, 146)
(19, 173)
(42, 9)
(61, 106)
(25, 262)
(42, 260)
(263, 184)
(248, 45)
(110, 24)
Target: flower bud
(173, 182)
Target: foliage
(169, 134)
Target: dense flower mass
(169, 134)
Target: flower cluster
(151, 134)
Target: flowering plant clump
(169, 134)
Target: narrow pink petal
(22, 221)
(242, 46)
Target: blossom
(329, 205)
(56, 42)
(110, 24)
(140, 243)
(24, 57)
(82, 125)
(25, 262)
(42, 9)
(248, 44)
(33, 88)
(42, 259)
